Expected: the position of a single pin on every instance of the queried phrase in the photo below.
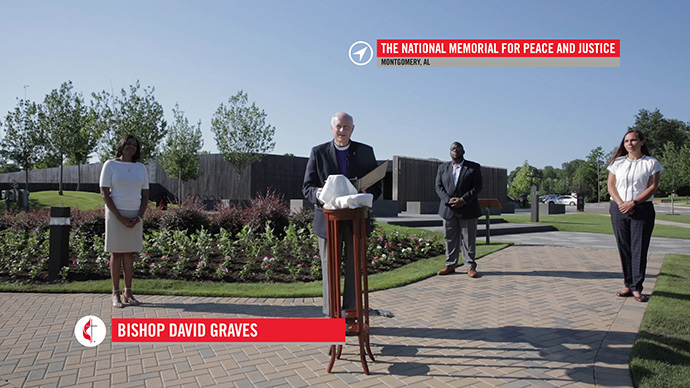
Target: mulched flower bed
(232, 245)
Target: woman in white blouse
(125, 189)
(633, 180)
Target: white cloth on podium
(339, 193)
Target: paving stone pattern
(544, 316)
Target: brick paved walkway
(540, 316)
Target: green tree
(180, 156)
(672, 177)
(66, 126)
(523, 181)
(241, 131)
(22, 143)
(685, 166)
(659, 130)
(48, 159)
(85, 138)
(584, 179)
(596, 160)
(549, 180)
(129, 113)
(512, 174)
(54, 127)
(5, 166)
(8, 167)
(569, 177)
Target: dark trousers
(633, 233)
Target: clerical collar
(343, 148)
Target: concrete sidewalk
(543, 313)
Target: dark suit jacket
(324, 162)
(468, 188)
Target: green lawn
(74, 199)
(81, 200)
(661, 354)
(683, 199)
(674, 217)
(599, 222)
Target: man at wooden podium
(349, 158)
(458, 184)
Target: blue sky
(292, 60)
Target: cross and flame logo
(90, 331)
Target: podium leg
(361, 286)
(362, 293)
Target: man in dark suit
(458, 184)
(349, 158)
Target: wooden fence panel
(414, 179)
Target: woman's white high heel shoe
(129, 298)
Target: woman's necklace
(129, 165)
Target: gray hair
(344, 115)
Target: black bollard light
(59, 240)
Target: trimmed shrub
(228, 217)
(189, 216)
(152, 218)
(27, 221)
(269, 208)
(5, 220)
(303, 218)
(88, 222)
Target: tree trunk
(179, 186)
(60, 184)
(78, 176)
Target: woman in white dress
(124, 186)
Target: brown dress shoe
(446, 271)
(625, 293)
(640, 298)
(472, 273)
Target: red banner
(498, 48)
(260, 330)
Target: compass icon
(361, 53)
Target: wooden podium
(360, 327)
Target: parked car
(548, 198)
(566, 200)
